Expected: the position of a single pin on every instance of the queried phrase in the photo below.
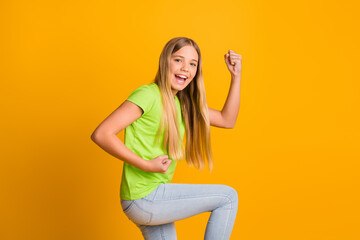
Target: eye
(194, 64)
(177, 59)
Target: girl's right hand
(159, 164)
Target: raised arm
(226, 118)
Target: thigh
(172, 202)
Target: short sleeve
(143, 96)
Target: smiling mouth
(180, 78)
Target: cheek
(171, 67)
(194, 72)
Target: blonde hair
(193, 107)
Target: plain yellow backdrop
(293, 156)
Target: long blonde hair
(193, 107)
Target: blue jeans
(156, 213)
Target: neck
(174, 92)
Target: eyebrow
(183, 57)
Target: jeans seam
(153, 197)
(128, 207)
(151, 215)
(206, 196)
(162, 233)
(228, 217)
(227, 221)
(152, 201)
(156, 190)
(232, 207)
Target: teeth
(182, 76)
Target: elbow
(230, 125)
(95, 136)
(228, 121)
(98, 136)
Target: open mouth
(180, 78)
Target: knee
(231, 195)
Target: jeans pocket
(135, 213)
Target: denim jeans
(156, 213)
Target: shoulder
(145, 90)
(145, 95)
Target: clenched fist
(159, 164)
(233, 62)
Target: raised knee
(231, 194)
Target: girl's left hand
(233, 62)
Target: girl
(156, 117)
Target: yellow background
(293, 156)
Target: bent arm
(226, 118)
(105, 134)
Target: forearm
(231, 107)
(113, 145)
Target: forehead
(187, 52)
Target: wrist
(236, 76)
(144, 166)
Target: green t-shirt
(140, 137)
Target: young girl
(156, 117)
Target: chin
(179, 88)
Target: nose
(185, 67)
